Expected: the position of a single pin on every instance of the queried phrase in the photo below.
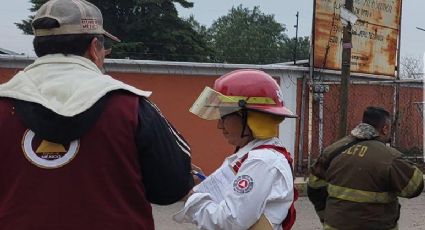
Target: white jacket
(267, 189)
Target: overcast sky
(206, 11)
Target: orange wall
(174, 95)
(6, 74)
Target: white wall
(287, 129)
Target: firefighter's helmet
(261, 91)
(241, 89)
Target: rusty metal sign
(374, 36)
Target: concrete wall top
(217, 69)
(163, 67)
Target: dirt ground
(412, 216)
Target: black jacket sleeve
(164, 157)
(317, 188)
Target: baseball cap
(74, 17)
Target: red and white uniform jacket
(262, 187)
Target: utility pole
(396, 100)
(345, 72)
(296, 39)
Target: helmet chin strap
(244, 116)
(244, 111)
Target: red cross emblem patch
(243, 184)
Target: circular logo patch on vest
(243, 184)
(46, 154)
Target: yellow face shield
(211, 105)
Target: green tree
(303, 48)
(149, 29)
(252, 37)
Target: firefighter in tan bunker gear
(355, 182)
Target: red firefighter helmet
(258, 89)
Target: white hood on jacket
(67, 85)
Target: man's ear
(93, 51)
(385, 129)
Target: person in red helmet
(253, 188)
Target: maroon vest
(93, 183)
